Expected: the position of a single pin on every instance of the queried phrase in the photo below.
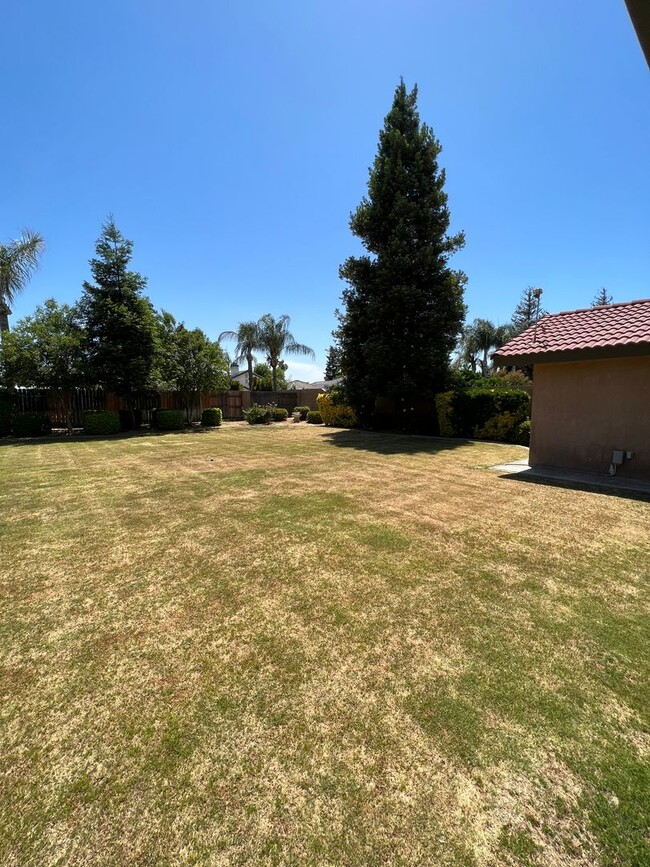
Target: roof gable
(594, 332)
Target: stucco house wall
(582, 410)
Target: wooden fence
(231, 403)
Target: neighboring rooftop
(594, 332)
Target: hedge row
(484, 414)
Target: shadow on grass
(63, 436)
(585, 486)
(388, 443)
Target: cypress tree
(403, 305)
(119, 319)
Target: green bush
(303, 410)
(314, 417)
(6, 412)
(31, 424)
(258, 414)
(169, 419)
(211, 417)
(101, 422)
(482, 413)
(523, 433)
(278, 414)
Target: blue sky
(231, 140)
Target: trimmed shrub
(170, 419)
(101, 422)
(278, 414)
(211, 417)
(258, 415)
(335, 414)
(303, 410)
(126, 422)
(31, 424)
(314, 417)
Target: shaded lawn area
(299, 646)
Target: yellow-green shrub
(502, 428)
(335, 415)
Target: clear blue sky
(231, 140)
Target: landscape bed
(301, 645)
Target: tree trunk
(274, 368)
(249, 359)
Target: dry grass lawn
(301, 646)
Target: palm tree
(276, 340)
(482, 336)
(18, 261)
(248, 340)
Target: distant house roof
(595, 332)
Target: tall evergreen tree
(403, 304)
(119, 318)
(601, 298)
(333, 362)
(528, 311)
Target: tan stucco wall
(582, 410)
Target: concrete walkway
(520, 471)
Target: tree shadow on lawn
(63, 437)
(388, 443)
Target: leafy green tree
(529, 309)
(263, 377)
(333, 362)
(47, 350)
(247, 343)
(601, 298)
(404, 306)
(119, 319)
(18, 261)
(188, 362)
(276, 340)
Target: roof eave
(629, 350)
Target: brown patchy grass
(304, 646)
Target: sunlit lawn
(294, 645)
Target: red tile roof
(609, 330)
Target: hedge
(31, 424)
(169, 419)
(101, 422)
(314, 417)
(495, 414)
(211, 417)
(303, 410)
